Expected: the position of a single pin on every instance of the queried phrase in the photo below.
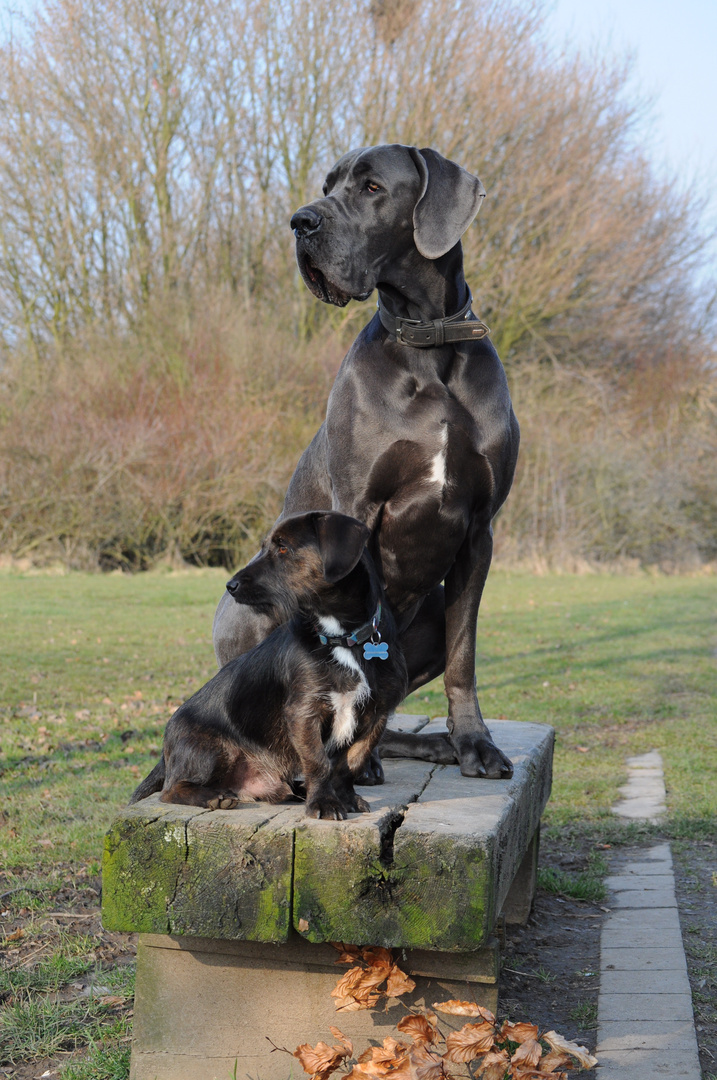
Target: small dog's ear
(449, 200)
(341, 543)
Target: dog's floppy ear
(449, 200)
(341, 543)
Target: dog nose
(306, 221)
(232, 586)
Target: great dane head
(381, 206)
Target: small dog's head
(300, 562)
(380, 204)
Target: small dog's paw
(326, 807)
(361, 806)
(223, 800)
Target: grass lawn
(94, 665)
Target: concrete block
(644, 899)
(625, 881)
(676, 1035)
(639, 808)
(642, 1006)
(649, 1064)
(656, 853)
(519, 901)
(635, 981)
(648, 937)
(642, 959)
(629, 918)
(651, 760)
(659, 867)
(201, 1005)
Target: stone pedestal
(235, 907)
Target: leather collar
(429, 335)
(356, 637)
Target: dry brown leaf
(458, 1008)
(399, 982)
(554, 1060)
(418, 1027)
(320, 1060)
(342, 1039)
(470, 1042)
(494, 1065)
(580, 1053)
(348, 982)
(388, 1053)
(398, 1068)
(348, 954)
(376, 954)
(356, 1002)
(518, 1033)
(15, 935)
(426, 1064)
(528, 1053)
(303, 926)
(111, 999)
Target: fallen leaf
(519, 1032)
(111, 999)
(458, 1008)
(342, 1039)
(348, 982)
(418, 1027)
(470, 1042)
(580, 1053)
(303, 926)
(355, 1003)
(15, 935)
(528, 1053)
(348, 954)
(427, 1065)
(494, 1065)
(320, 1060)
(375, 954)
(398, 982)
(552, 1061)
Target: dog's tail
(150, 784)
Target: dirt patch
(696, 886)
(551, 967)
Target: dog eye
(282, 549)
(372, 187)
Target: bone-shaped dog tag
(371, 651)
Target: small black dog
(308, 699)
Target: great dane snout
(306, 221)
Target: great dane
(420, 440)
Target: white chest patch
(437, 475)
(344, 705)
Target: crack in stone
(392, 822)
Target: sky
(675, 51)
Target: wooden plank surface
(429, 867)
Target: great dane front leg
(477, 753)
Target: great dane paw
(479, 756)
(372, 774)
